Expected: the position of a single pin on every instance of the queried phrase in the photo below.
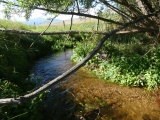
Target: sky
(38, 14)
(35, 14)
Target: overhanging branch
(35, 93)
(67, 32)
(79, 14)
(70, 13)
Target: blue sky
(37, 14)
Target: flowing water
(83, 96)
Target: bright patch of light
(41, 14)
(66, 17)
(38, 14)
(1, 14)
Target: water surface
(85, 97)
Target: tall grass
(14, 25)
(79, 25)
(17, 55)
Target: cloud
(38, 14)
(35, 14)
(1, 14)
(66, 17)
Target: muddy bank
(100, 100)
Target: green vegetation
(128, 60)
(78, 24)
(15, 26)
(17, 55)
(131, 60)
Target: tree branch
(35, 93)
(48, 25)
(70, 13)
(116, 10)
(68, 32)
(148, 5)
(129, 7)
(80, 14)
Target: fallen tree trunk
(48, 85)
(67, 32)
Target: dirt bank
(100, 100)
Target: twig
(48, 25)
(44, 30)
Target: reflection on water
(52, 66)
(57, 105)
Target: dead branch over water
(67, 32)
(48, 85)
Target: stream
(51, 66)
(57, 106)
(83, 96)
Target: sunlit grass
(7, 24)
(79, 25)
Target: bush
(125, 61)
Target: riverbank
(17, 55)
(102, 100)
(84, 95)
(129, 60)
(129, 66)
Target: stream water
(83, 96)
(51, 66)
(57, 106)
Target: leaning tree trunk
(48, 85)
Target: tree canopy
(137, 14)
(126, 10)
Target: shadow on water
(51, 66)
(57, 106)
(83, 96)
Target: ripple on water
(84, 96)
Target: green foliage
(31, 110)
(15, 26)
(8, 89)
(17, 55)
(83, 48)
(131, 61)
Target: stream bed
(83, 96)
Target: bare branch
(116, 9)
(48, 25)
(29, 96)
(141, 7)
(148, 5)
(129, 7)
(78, 6)
(71, 13)
(68, 32)
(80, 14)
(71, 20)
